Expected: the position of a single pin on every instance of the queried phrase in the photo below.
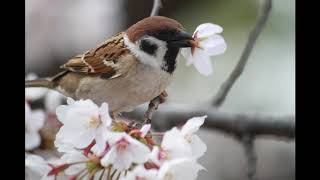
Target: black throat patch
(170, 57)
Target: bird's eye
(148, 47)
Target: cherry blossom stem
(250, 153)
(237, 71)
(113, 173)
(102, 173)
(84, 174)
(80, 162)
(118, 177)
(92, 173)
(108, 174)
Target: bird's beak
(181, 39)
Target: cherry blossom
(124, 150)
(173, 146)
(92, 146)
(179, 169)
(207, 42)
(197, 145)
(34, 121)
(83, 121)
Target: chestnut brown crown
(153, 25)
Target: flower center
(94, 122)
(188, 138)
(122, 144)
(195, 42)
(169, 176)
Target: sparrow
(127, 70)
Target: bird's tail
(50, 83)
(43, 82)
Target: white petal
(101, 141)
(208, 29)
(72, 157)
(32, 140)
(34, 93)
(202, 63)
(37, 164)
(186, 53)
(214, 45)
(109, 158)
(192, 125)
(61, 112)
(52, 100)
(179, 169)
(138, 151)
(84, 139)
(62, 146)
(104, 115)
(174, 142)
(37, 119)
(123, 161)
(145, 129)
(47, 178)
(120, 161)
(113, 137)
(154, 155)
(198, 147)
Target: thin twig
(157, 4)
(250, 153)
(237, 71)
(102, 173)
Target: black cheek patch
(147, 47)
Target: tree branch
(156, 7)
(253, 36)
(251, 155)
(236, 124)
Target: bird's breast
(141, 84)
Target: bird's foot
(153, 106)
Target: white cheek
(155, 61)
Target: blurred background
(57, 30)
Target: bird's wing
(110, 59)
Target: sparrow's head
(157, 40)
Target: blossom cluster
(95, 146)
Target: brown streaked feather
(104, 59)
